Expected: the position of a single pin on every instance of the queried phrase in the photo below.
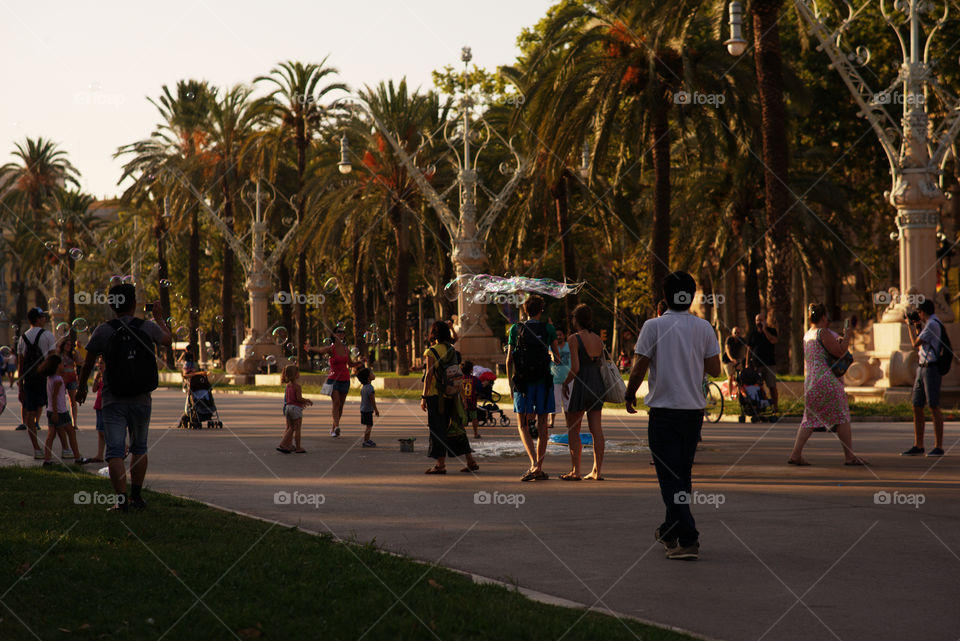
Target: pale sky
(79, 72)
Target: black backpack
(945, 355)
(131, 366)
(32, 358)
(532, 354)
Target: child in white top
(58, 412)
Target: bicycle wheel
(714, 409)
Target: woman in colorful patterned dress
(825, 400)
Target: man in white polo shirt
(677, 348)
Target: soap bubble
(291, 349)
(354, 353)
(116, 280)
(280, 335)
(452, 290)
(373, 327)
(182, 332)
(327, 341)
(170, 321)
(164, 283)
(331, 285)
(271, 359)
(287, 221)
(5, 351)
(371, 338)
(128, 280)
(79, 325)
(111, 242)
(76, 253)
(62, 329)
(50, 246)
(219, 321)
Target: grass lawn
(180, 570)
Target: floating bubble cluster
(514, 290)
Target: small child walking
(58, 414)
(471, 386)
(368, 404)
(293, 404)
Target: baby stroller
(488, 412)
(200, 407)
(753, 399)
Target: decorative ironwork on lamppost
(470, 229)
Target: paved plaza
(786, 553)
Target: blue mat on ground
(563, 439)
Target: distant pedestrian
(584, 392)
(58, 412)
(98, 409)
(368, 404)
(560, 371)
(10, 366)
(471, 389)
(762, 355)
(678, 349)
(293, 404)
(926, 335)
(825, 400)
(67, 351)
(443, 403)
(734, 351)
(130, 375)
(32, 350)
(528, 366)
(339, 377)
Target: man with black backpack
(130, 374)
(931, 340)
(528, 367)
(34, 346)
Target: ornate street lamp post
(468, 230)
(916, 148)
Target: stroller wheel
(504, 420)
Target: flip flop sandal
(471, 468)
(570, 477)
(285, 451)
(436, 470)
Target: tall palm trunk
(659, 261)
(301, 138)
(356, 299)
(767, 58)
(194, 273)
(163, 273)
(226, 288)
(561, 196)
(401, 289)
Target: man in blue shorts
(528, 368)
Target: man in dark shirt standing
(732, 357)
(761, 355)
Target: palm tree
(171, 161)
(71, 210)
(299, 113)
(594, 74)
(41, 170)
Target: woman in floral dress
(825, 400)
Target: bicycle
(714, 408)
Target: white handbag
(616, 389)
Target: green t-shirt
(441, 349)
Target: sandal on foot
(284, 450)
(570, 477)
(801, 462)
(436, 470)
(300, 451)
(594, 477)
(471, 468)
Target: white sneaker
(335, 432)
(38, 454)
(67, 454)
